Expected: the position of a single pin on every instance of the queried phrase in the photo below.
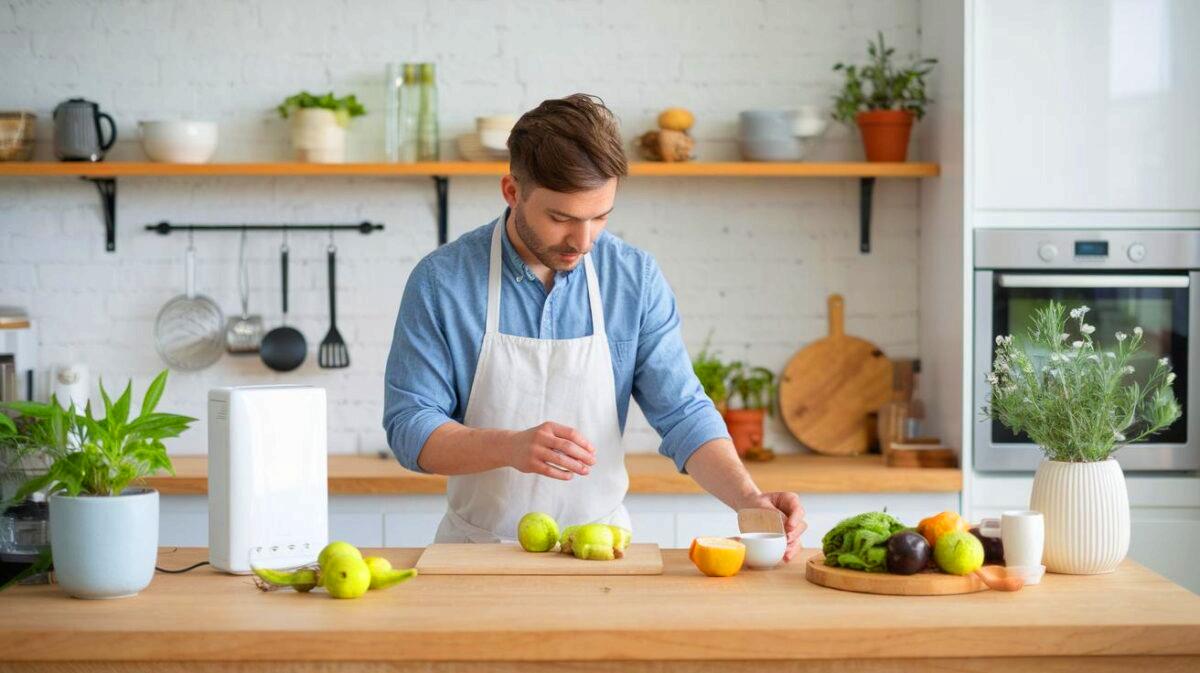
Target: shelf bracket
(442, 185)
(108, 202)
(866, 186)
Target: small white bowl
(179, 142)
(1031, 574)
(763, 550)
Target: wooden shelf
(104, 176)
(649, 473)
(463, 168)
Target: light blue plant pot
(104, 547)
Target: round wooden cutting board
(830, 387)
(928, 583)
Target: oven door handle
(1090, 280)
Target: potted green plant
(713, 374)
(754, 388)
(319, 125)
(883, 100)
(103, 529)
(1076, 400)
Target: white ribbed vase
(1086, 508)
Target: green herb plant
(343, 108)
(714, 375)
(880, 85)
(88, 455)
(1073, 399)
(754, 387)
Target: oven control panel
(1115, 249)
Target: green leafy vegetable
(860, 542)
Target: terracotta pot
(746, 428)
(885, 134)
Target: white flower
(1137, 331)
(1076, 344)
(1128, 369)
(1079, 312)
(1170, 378)
(1164, 362)
(1111, 354)
(1064, 337)
(1087, 329)
(1118, 436)
(1094, 358)
(1054, 357)
(1121, 336)
(992, 378)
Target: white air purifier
(268, 501)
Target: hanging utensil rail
(165, 228)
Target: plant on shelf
(714, 375)
(319, 124)
(883, 100)
(754, 388)
(1080, 403)
(103, 529)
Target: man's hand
(551, 449)
(793, 513)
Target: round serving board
(928, 583)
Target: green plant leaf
(31, 409)
(42, 564)
(120, 409)
(7, 425)
(154, 393)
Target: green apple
(594, 542)
(346, 576)
(537, 532)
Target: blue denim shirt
(439, 331)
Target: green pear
(383, 576)
(594, 542)
(537, 532)
(621, 537)
(564, 538)
(346, 576)
(335, 549)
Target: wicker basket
(16, 136)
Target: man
(517, 348)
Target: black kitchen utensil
(332, 353)
(284, 348)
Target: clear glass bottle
(402, 93)
(393, 84)
(427, 123)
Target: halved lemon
(717, 556)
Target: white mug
(1023, 533)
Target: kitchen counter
(1122, 621)
(648, 474)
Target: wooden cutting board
(928, 583)
(829, 389)
(510, 559)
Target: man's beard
(547, 255)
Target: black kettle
(77, 135)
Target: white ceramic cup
(763, 550)
(1023, 533)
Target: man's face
(560, 228)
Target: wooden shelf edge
(462, 168)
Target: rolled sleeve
(419, 394)
(664, 384)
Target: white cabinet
(1085, 105)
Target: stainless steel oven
(1146, 278)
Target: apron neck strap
(495, 264)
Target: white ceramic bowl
(763, 550)
(494, 131)
(179, 142)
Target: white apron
(519, 383)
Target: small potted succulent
(319, 125)
(1077, 401)
(754, 388)
(103, 528)
(883, 100)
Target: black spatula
(332, 353)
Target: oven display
(1091, 248)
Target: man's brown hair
(567, 145)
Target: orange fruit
(933, 527)
(717, 556)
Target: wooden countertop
(648, 473)
(615, 623)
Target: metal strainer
(190, 331)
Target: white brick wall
(750, 260)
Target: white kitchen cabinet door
(1086, 104)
